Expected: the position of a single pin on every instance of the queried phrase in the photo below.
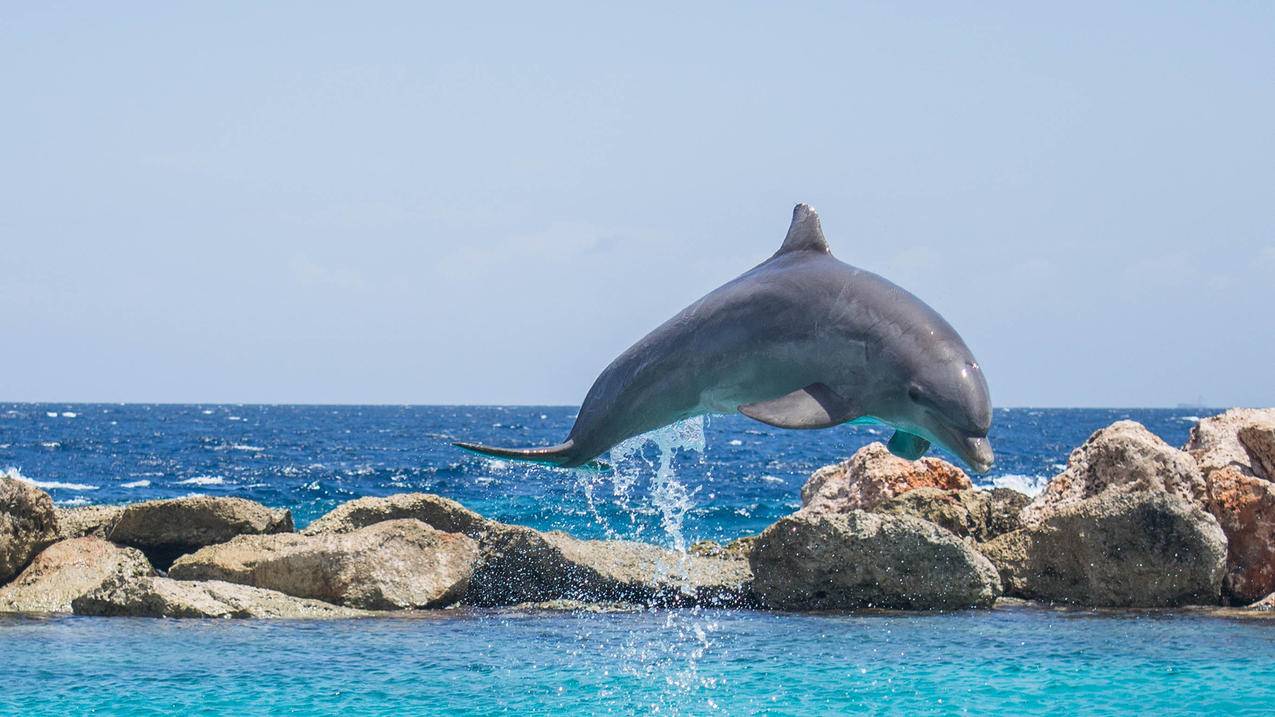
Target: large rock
(68, 569)
(95, 520)
(166, 529)
(873, 475)
(437, 512)
(978, 514)
(1244, 505)
(164, 597)
(1120, 549)
(1123, 457)
(820, 561)
(1241, 438)
(393, 564)
(522, 565)
(27, 524)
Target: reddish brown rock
(873, 476)
(1245, 507)
(1122, 458)
(1242, 438)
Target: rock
(27, 524)
(737, 549)
(68, 569)
(821, 561)
(1120, 549)
(166, 529)
(164, 597)
(1259, 440)
(522, 565)
(1244, 506)
(393, 564)
(95, 520)
(1266, 604)
(1123, 457)
(978, 514)
(873, 475)
(438, 512)
(1216, 442)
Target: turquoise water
(1012, 661)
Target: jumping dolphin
(801, 340)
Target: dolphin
(800, 341)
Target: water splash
(633, 461)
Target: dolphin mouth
(976, 452)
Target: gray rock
(873, 475)
(166, 529)
(435, 511)
(164, 597)
(94, 520)
(821, 561)
(27, 524)
(737, 549)
(1241, 438)
(522, 565)
(68, 569)
(1123, 457)
(978, 514)
(1145, 549)
(392, 564)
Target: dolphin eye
(915, 393)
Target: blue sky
(401, 203)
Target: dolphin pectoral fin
(907, 445)
(815, 406)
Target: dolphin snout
(976, 452)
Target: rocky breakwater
(838, 552)
(1122, 526)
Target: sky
(486, 203)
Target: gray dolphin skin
(802, 340)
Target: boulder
(1242, 438)
(95, 520)
(737, 549)
(1244, 505)
(164, 597)
(68, 569)
(1120, 549)
(1123, 457)
(393, 564)
(166, 529)
(821, 561)
(522, 565)
(873, 475)
(435, 511)
(1259, 440)
(978, 514)
(28, 523)
(1266, 604)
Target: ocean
(718, 479)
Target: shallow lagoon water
(1012, 661)
(309, 458)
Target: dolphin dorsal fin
(804, 234)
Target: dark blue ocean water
(1009, 660)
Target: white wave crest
(15, 474)
(1029, 485)
(203, 480)
(136, 484)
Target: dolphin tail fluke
(562, 455)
